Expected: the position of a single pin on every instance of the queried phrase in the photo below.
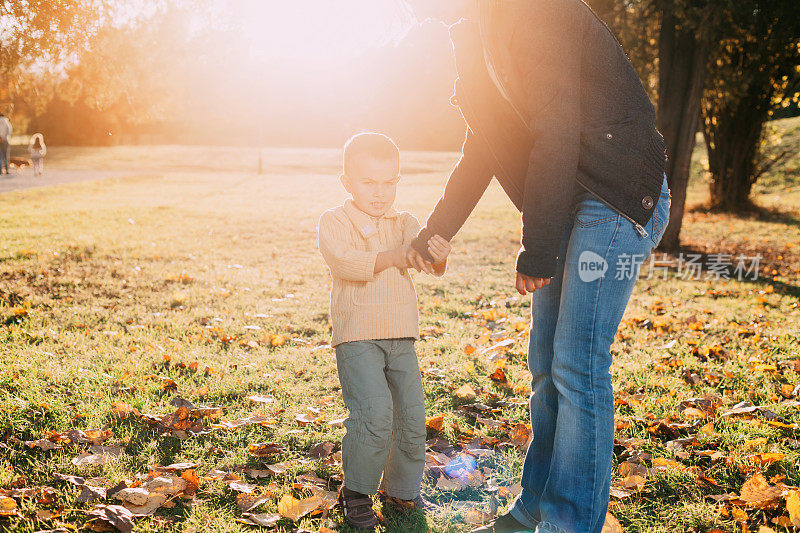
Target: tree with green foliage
(756, 68)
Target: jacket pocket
(613, 153)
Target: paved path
(24, 179)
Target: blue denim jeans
(567, 471)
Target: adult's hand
(526, 284)
(417, 262)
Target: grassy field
(196, 291)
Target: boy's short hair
(375, 145)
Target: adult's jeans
(566, 476)
(5, 154)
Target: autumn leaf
(612, 525)
(520, 434)
(265, 449)
(261, 519)
(758, 493)
(294, 509)
(435, 423)
(114, 515)
(765, 459)
(258, 398)
(8, 507)
(465, 392)
(793, 507)
(247, 502)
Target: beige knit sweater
(365, 305)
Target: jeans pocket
(593, 212)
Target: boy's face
(373, 184)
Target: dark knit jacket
(565, 109)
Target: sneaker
(357, 510)
(417, 504)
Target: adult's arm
(548, 47)
(465, 186)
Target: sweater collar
(364, 222)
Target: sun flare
(317, 31)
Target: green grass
(101, 282)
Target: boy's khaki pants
(382, 388)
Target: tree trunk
(683, 66)
(733, 138)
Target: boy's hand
(439, 249)
(417, 262)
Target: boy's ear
(345, 182)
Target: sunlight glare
(322, 32)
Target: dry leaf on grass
(260, 519)
(265, 449)
(294, 509)
(248, 502)
(465, 392)
(793, 507)
(114, 515)
(435, 423)
(758, 493)
(8, 507)
(612, 525)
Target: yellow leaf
(294, 509)
(469, 349)
(612, 525)
(793, 507)
(465, 392)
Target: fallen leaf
(758, 493)
(435, 423)
(261, 519)
(612, 525)
(294, 509)
(465, 392)
(8, 507)
(793, 507)
(114, 515)
(248, 502)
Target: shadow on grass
(710, 263)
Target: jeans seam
(591, 368)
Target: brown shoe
(505, 523)
(357, 510)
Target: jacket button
(647, 202)
(454, 101)
(609, 136)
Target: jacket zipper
(638, 227)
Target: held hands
(438, 248)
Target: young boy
(375, 322)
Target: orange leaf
(435, 423)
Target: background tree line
(92, 71)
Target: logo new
(591, 266)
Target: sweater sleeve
(411, 228)
(550, 46)
(344, 260)
(465, 187)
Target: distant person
(37, 150)
(5, 142)
(375, 322)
